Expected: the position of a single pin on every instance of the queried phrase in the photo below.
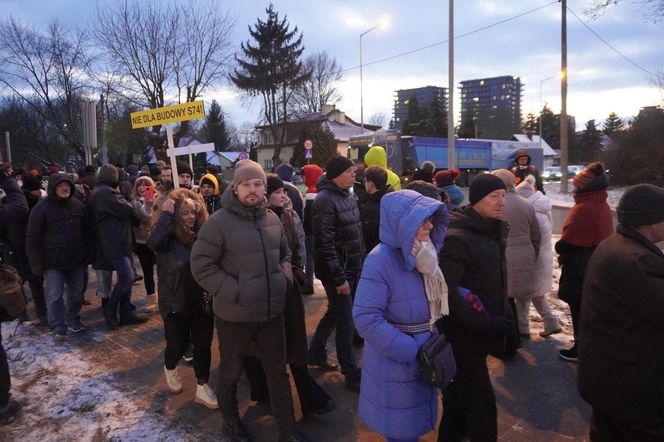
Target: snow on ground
(567, 200)
(67, 396)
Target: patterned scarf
(426, 262)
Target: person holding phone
(143, 200)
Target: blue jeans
(104, 280)
(56, 282)
(339, 315)
(120, 295)
(309, 267)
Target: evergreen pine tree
(531, 126)
(612, 124)
(589, 144)
(415, 123)
(437, 126)
(214, 129)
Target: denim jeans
(339, 315)
(104, 280)
(56, 284)
(120, 295)
(309, 267)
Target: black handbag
(437, 364)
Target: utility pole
(564, 147)
(9, 147)
(451, 154)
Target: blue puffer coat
(393, 400)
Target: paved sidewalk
(536, 393)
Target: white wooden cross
(173, 152)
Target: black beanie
(31, 182)
(273, 183)
(337, 165)
(641, 205)
(482, 185)
(184, 168)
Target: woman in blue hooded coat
(400, 295)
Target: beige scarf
(426, 262)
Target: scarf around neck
(426, 262)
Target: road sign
(308, 155)
(243, 156)
(169, 114)
(308, 144)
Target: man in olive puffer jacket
(241, 257)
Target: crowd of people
(397, 267)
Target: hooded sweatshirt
(310, 173)
(376, 156)
(211, 202)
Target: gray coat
(523, 242)
(241, 257)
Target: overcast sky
(600, 80)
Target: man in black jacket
(522, 168)
(56, 249)
(375, 183)
(473, 260)
(621, 358)
(112, 216)
(338, 255)
(13, 209)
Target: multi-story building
(491, 108)
(423, 95)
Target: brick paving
(536, 394)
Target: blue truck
(405, 153)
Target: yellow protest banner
(168, 114)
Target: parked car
(553, 173)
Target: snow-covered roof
(343, 132)
(215, 157)
(189, 141)
(547, 150)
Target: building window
(267, 164)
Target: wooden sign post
(172, 114)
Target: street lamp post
(540, 107)
(361, 79)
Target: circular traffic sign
(308, 144)
(243, 156)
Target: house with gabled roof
(341, 125)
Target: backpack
(12, 298)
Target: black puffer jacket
(111, 216)
(473, 257)
(338, 242)
(13, 222)
(370, 213)
(55, 238)
(621, 357)
(178, 291)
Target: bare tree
(321, 88)
(164, 53)
(378, 119)
(654, 9)
(47, 72)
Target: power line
(483, 28)
(610, 45)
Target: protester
(13, 209)
(185, 175)
(445, 180)
(543, 271)
(112, 216)
(310, 173)
(181, 300)
(376, 156)
(621, 358)
(587, 224)
(56, 246)
(249, 297)
(166, 180)
(208, 187)
(522, 168)
(473, 258)
(375, 183)
(285, 172)
(400, 296)
(339, 251)
(425, 173)
(33, 193)
(313, 399)
(143, 196)
(424, 188)
(523, 246)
